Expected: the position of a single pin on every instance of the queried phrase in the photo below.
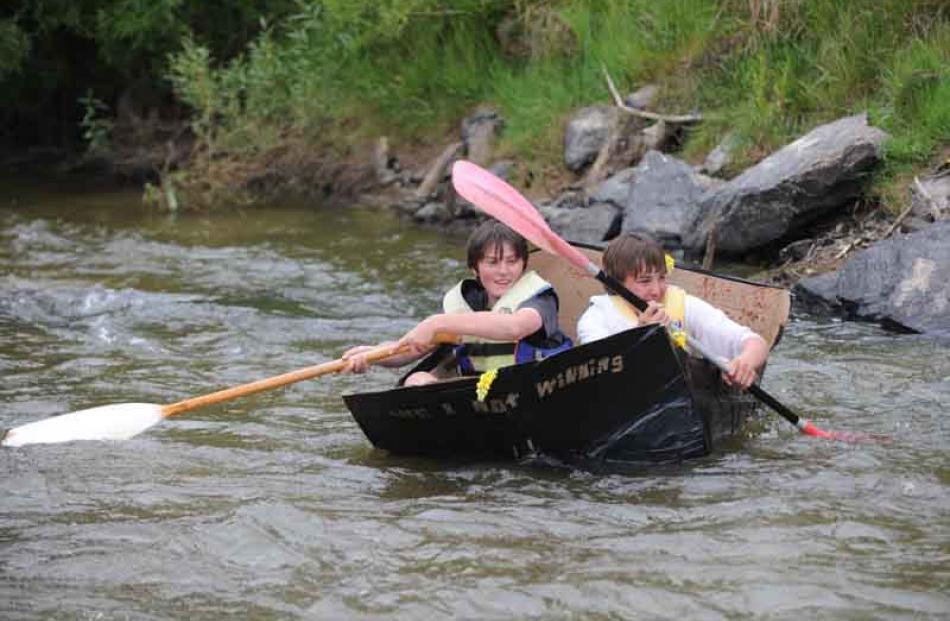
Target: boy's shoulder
(599, 303)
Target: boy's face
(498, 269)
(648, 284)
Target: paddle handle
(335, 366)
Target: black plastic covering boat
(626, 399)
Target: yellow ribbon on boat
(677, 333)
(485, 381)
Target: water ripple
(276, 506)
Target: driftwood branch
(847, 247)
(898, 221)
(437, 170)
(924, 194)
(653, 116)
(710, 254)
(597, 171)
(384, 175)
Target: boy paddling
(640, 264)
(505, 314)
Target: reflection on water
(275, 506)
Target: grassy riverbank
(344, 72)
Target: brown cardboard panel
(761, 307)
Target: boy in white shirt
(640, 264)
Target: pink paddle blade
(475, 180)
(504, 203)
(809, 429)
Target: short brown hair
(633, 253)
(493, 234)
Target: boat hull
(626, 399)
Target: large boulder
(660, 197)
(615, 190)
(586, 134)
(824, 169)
(575, 218)
(479, 132)
(903, 282)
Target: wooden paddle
(504, 203)
(122, 421)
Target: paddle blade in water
(809, 429)
(108, 422)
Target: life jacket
(476, 355)
(674, 303)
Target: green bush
(52, 53)
(766, 71)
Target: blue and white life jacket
(476, 355)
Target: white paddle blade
(120, 421)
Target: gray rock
(615, 190)
(586, 133)
(823, 170)
(385, 165)
(902, 282)
(502, 169)
(930, 201)
(663, 199)
(598, 222)
(433, 211)
(643, 97)
(478, 134)
(407, 205)
(656, 136)
(570, 200)
(464, 210)
(721, 156)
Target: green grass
(358, 68)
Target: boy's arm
(744, 350)
(357, 363)
(484, 324)
(713, 328)
(744, 368)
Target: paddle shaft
(374, 355)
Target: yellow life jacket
(476, 354)
(674, 303)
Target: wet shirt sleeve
(722, 336)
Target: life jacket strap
(488, 349)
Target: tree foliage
(52, 52)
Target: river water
(277, 507)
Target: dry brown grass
(295, 166)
